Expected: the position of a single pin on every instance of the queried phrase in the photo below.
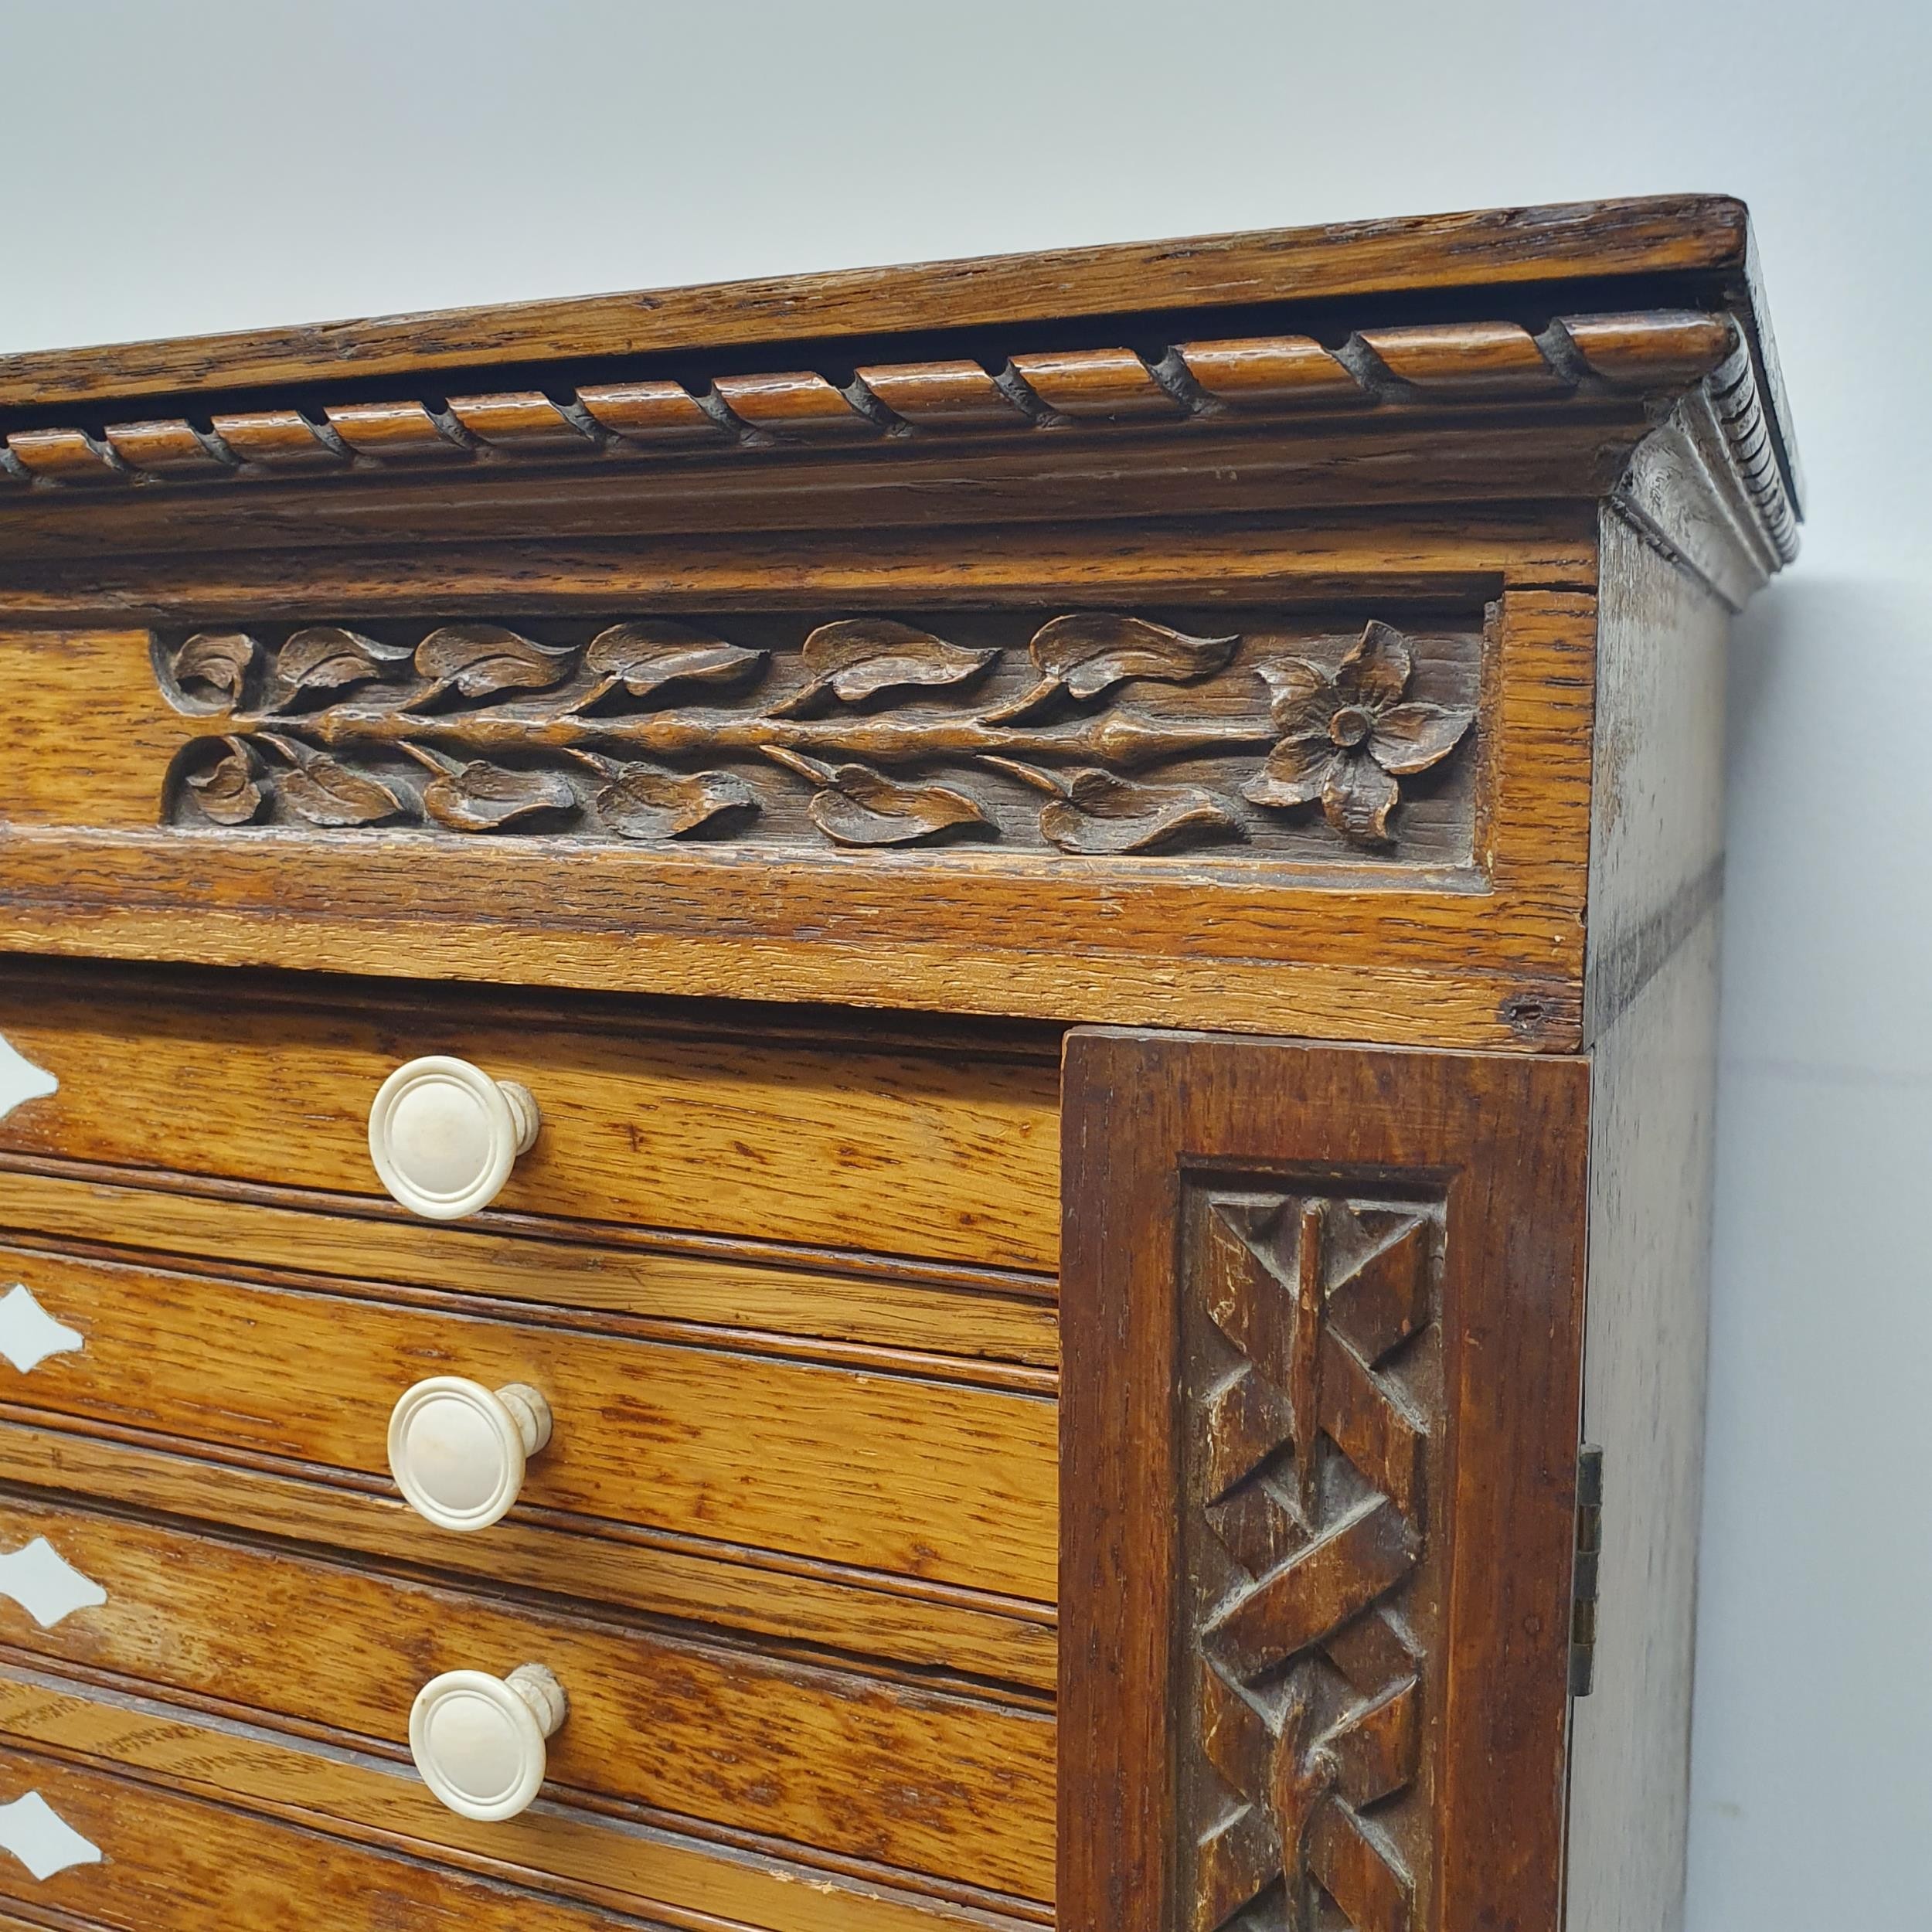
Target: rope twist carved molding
(1106, 734)
(1314, 1404)
(1652, 354)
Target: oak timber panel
(1322, 1311)
(1657, 840)
(1488, 951)
(832, 1143)
(624, 1864)
(950, 1483)
(182, 1864)
(1652, 1104)
(934, 1784)
(1402, 554)
(785, 1601)
(1639, 240)
(853, 1313)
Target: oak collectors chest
(879, 1103)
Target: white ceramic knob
(456, 1449)
(479, 1740)
(444, 1135)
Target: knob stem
(523, 1112)
(530, 1413)
(544, 1695)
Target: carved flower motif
(1347, 735)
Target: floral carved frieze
(1089, 732)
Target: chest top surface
(1199, 633)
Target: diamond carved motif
(1314, 1410)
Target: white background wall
(178, 165)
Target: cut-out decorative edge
(44, 1841)
(46, 1585)
(20, 1079)
(29, 1334)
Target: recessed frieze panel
(1229, 737)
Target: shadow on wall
(1816, 1564)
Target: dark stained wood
(1404, 1204)
(1685, 235)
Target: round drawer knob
(444, 1135)
(456, 1449)
(479, 1740)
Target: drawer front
(289, 1822)
(951, 1483)
(947, 1633)
(169, 1863)
(819, 1140)
(855, 1767)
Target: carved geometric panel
(36, 1834)
(1230, 737)
(1313, 1433)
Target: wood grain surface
(794, 1606)
(1488, 953)
(1683, 234)
(1403, 552)
(1653, 1100)
(891, 1152)
(766, 1453)
(1500, 1143)
(957, 1322)
(132, 1749)
(680, 1726)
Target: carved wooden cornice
(1661, 407)
(1467, 365)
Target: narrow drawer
(947, 1483)
(720, 1127)
(844, 1766)
(170, 1863)
(172, 1800)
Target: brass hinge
(1589, 1543)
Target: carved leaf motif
(1101, 813)
(855, 805)
(328, 793)
(220, 660)
(642, 803)
(860, 658)
(226, 792)
(1094, 811)
(1089, 652)
(324, 657)
(480, 659)
(481, 797)
(647, 656)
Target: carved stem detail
(480, 728)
